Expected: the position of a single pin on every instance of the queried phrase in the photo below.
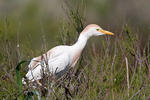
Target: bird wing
(51, 54)
(58, 61)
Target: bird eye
(97, 29)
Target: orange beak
(106, 32)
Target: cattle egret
(61, 58)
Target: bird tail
(23, 81)
(28, 77)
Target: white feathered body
(60, 58)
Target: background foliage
(111, 68)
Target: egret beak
(106, 32)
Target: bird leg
(38, 82)
(52, 86)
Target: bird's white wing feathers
(58, 60)
(54, 52)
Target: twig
(18, 43)
(113, 62)
(136, 93)
(5, 26)
(8, 75)
(127, 75)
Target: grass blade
(19, 79)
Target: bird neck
(81, 42)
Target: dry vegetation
(111, 68)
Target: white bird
(61, 58)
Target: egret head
(95, 30)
